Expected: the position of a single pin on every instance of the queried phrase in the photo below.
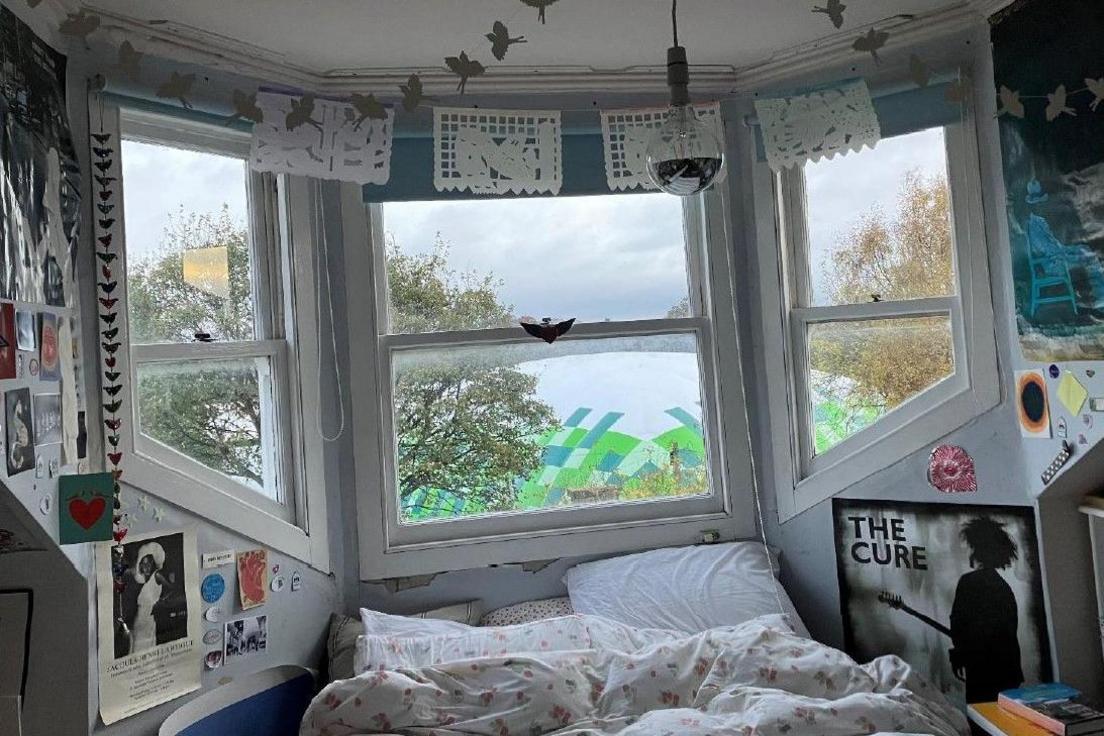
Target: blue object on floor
(268, 703)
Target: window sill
(212, 506)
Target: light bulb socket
(678, 75)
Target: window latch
(202, 337)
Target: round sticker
(277, 584)
(45, 504)
(212, 587)
(212, 637)
(1055, 371)
(213, 614)
(213, 660)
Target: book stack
(1039, 710)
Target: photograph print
(19, 431)
(151, 609)
(39, 172)
(245, 636)
(47, 419)
(954, 590)
(1053, 158)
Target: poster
(150, 624)
(7, 340)
(48, 340)
(85, 507)
(19, 430)
(1053, 168)
(252, 578)
(1032, 405)
(954, 590)
(39, 173)
(47, 419)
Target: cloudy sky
(594, 258)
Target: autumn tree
(875, 366)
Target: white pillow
(385, 624)
(688, 589)
(407, 647)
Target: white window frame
(282, 230)
(389, 549)
(802, 478)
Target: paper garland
(307, 136)
(625, 136)
(497, 151)
(818, 124)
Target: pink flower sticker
(951, 470)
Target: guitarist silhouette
(984, 617)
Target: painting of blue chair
(1047, 257)
(269, 703)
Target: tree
(468, 426)
(872, 367)
(210, 413)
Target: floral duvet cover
(757, 679)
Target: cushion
(688, 589)
(344, 630)
(528, 611)
(421, 649)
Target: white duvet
(756, 679)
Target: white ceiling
(323, 36)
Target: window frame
(390, 549)
(802, 477)
(284, 313)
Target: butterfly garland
(105, 175)
(1058, 102)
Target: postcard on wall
(19, 430)
(48, 342)
(253, 578)
(954, 590)
(85, 507)
(7, 340)
(47, 419)
(245, 637)
(150, 622)
(25, 330)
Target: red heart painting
(252, 577)
(87, 513)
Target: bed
(731, 657)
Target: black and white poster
(149, 622)
(19, 430)
(954, 590)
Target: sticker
(1031, 404)
(213, 660)
(217, 559)
(1060, 428)
(1087, 420)
(1090, 373)
(277, 584)
(1097, 404)
(212, 587)
(40, 467)
(296, 581)
(213, 614)
(951, 470)
(1054, 371)
(45, 504)
(1057, 463)
(52, 468)
(1071, 393)
(32, 366)
(276, 569)
(212, 637)
(1082, 439)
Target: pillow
(528, 611)
(464, 613)
(341, 646)
(409, 649)
(688, 589)
(385, 624)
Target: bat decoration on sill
(546, 329)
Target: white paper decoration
(307, 136)
(819, 124)
(497, 151)
(625, 135)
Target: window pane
(484, 263)
(860, 371)
(188, 245)
(879, 222)
(217, 412)
(526, 427)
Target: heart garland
(104, 160)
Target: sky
(595, 258)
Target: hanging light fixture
(683, 155)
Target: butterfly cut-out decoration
(1058, 104)
(540, 5)
(1096, 86)
(245, 108)
(871, 42)
(79, 25)
(412, 93)
(464, 68)
(546, 329)
(367, 108)
(177, 87)
(130, 60)
(501, 40)
(302, 113)
(1010, 103)
(919, 72)
(834, 10)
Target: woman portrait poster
(151, 608)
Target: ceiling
(332, 36)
